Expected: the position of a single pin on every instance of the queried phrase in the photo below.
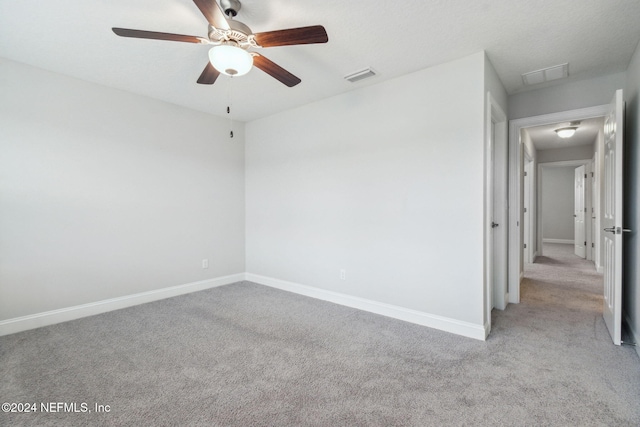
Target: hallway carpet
(248, 355)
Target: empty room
(279, 213)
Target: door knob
(494, 224)
(617, 230)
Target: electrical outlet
(205, 263)
(343, 274)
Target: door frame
(496, 243)
(596, 200)
(529, 219)
(515, 269)
(588, 203)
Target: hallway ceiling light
(566, 132)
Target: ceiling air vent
(360, 75)
(546, 74)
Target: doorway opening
(559, 207)
(567, 208)
(608, 208)
(522, 134)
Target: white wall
(105, 194)
(631, 298)
(583, 152)
(565, 97)
(528, 144)
(385, 182)
(558, 203)
(493, 84)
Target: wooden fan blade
(302, 35)
(274, 70)
(209, 75)
(141, 34)
(213, 13)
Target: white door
(497, 295)
(612, 220)
(496, 209)
(579, 235)
(498, 267)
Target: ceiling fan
(232, 40)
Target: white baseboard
(24, 323)
(562, 241)
(446, 324)
(635, 337)
(47, 318)
(487, 330)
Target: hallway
(558, 336)
(561, 302)
(563, 280)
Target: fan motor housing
(239, 32)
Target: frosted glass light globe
(230, 60)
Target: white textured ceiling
(545, 137)
(74, 37)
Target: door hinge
(593, 245)
(525, 174)
(585, 243)
(592, 175)
(585, 175)
(525, 209)
(525, 246)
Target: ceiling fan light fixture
(566, 132)
(230, 60)
(231, 41)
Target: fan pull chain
(229, 108)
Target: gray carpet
(248, 355)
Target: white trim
(446, 324)
(52, 317)
(495, 241)
(515, 176)
(562, 241)
(635, 337)
(530, 217)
